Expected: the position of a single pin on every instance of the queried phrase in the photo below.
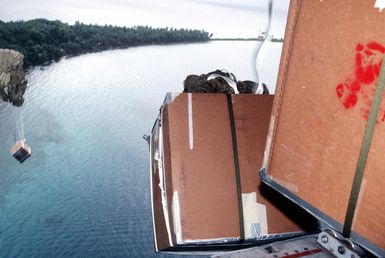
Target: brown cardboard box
(21, 151)
(328, 72)
(193, 175)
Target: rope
(364, 151)
(21, 124)
(19, 127)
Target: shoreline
(273, 40)
(41, 66)
(48, 63)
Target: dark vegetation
(42, 41)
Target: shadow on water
(50, 129)
(54, 221)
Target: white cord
(263, 47)
(21, 126)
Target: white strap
(229, 81)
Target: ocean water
(85, 191)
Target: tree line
(42, 41)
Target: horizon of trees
(43, 41)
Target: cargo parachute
(12, 79)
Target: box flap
(328, 71)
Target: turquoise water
(85, 191)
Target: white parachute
(12, 88)
(12, 79)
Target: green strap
(236, 166)
(364, 151)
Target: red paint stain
(340, 90)
(375, 46)
(359, 47)
(358, 88)
(303, 254)
(350, 101)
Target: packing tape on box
(176, 217)
(269, 139)
(190, 121)
(255, 217)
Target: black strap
(236, 166)
(364, 151)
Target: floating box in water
(21, 151)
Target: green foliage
(42, 41)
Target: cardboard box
(193, 174)
(20, 151)
(329, 69)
